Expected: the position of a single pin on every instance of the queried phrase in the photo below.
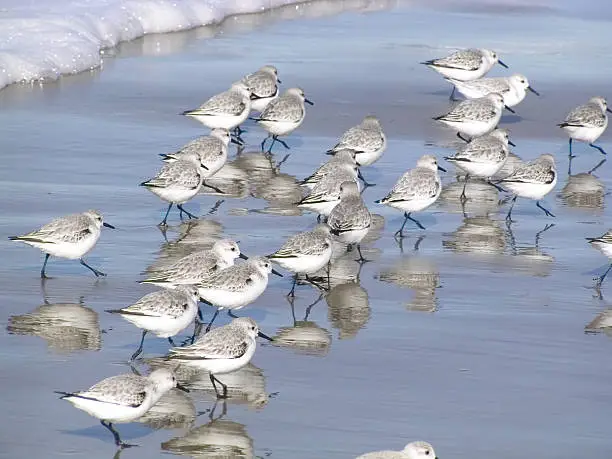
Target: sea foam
(43, 39)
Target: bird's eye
(253, 328)
(427, 453)
(233, 249)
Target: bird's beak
(261, 335)
(509, 109)
(203, 167)
(309, 102)
(181, 387)
(510, 142)
(502, 64)
(278, 80)
(608, 110)
(243, 256)
(108, 225)
(533, 90)
(236, 141)
(274, 271)
(440, 168)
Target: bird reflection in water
(584, 190)
(477, 235)
(601, 323)
(305, 336)
(348, 308)
(530, 258)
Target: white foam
(43, 39)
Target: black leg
(366, 184)
(214, 382)
(601, 278)
(116, 436)
(212, 320)
(315, 283)
(361, 259)
(570, 149)
(163, 222)
(197, 328)
(400, 232)
(139, 350)
(189, 214)
(263, 143)
(282, 142)
(93, 270)
(496, 186)
(461, 137)
(200, 313)
(171, 341)
(272, 144)
(416, 222)
(452, 96)
(597, 147)
(463, 197)
(212, 187)
(291, 294)
(43, 275)
(547, 212)
(509, 216)
(231, 314)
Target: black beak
(440, 168)
(502, 64)
(261, 335)
(236, 141)
(181, 387)
(243, 256)
(108, 225)
(203, 167)
(274, 271)
(510, 142)
(309, 102)
(509, 109)
(533, 90)
(278, 80)
(608, 110)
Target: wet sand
(474, 342)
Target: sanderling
(533, 180)
(350, 219)
(283, 115)
(513, 88)
(482, 157)
(226, 110)
(367, 139)
(197, 266)
(209, 150)
(604, 245)
(587, 122)
(263, 87)
(222, 350)
(123, 398)
(176, 183)
(236, 286)
(343, 159)
(67, 237)
(305, 253)
(164, 313)
(414, 450)
(325, 195)
(416, 190)
(465, 65)
(474, 117)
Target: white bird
(70, 237)
(587, 122)
(465, 65)
(283, 115)
(482, 157)
(416, 190)
(263, 86)
(222, 350)
(604, 245)
(368, 141)
(474, 117)
(342, 159)
(236, 286)
(164, 313)
(197, 266)
(413, 450)
(513, 88)
(305, 253)
(532, 180)
(123, 398)
(325, 195)
(226, 110)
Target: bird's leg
(597, 147)
(461, 137)
(189, 214)
(496, 186)
(212, 320)
(43, 275)
(361, 259)
(547, 212)
(463, 197)
(212, 187)
(231, 314)
(509, 216)
(416, 222)
(93, 270)
(263, 143)
(163, 222)
(570, 149)
(452, 95)
(116, 436)
(400, 232)
(282, 142)
(366, 184)
(214, 382)
(601, 278)
(291, 294)
(139, 350)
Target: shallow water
(474, 342)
